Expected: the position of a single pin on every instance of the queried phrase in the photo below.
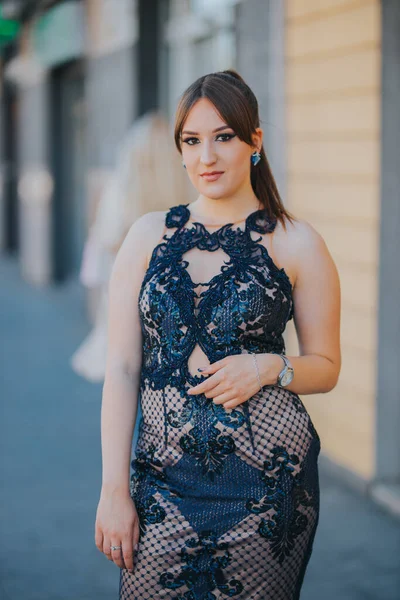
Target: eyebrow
(214, 130)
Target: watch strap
(287, 367)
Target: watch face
(287, 378)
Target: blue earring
(255, 158)
(184, 164)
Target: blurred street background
(80, 84)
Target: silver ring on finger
(115, 547)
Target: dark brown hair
(238, 106)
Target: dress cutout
(228, 499)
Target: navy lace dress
(228, 499)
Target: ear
(258, 139)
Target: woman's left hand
(233, 379)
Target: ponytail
(266, 190)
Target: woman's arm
(117, 522)
(317, 304)
(124, 357)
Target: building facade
(342, 73)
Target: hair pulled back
(238, 106)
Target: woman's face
(209, 145)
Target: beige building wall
(333, 146)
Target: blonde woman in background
(148, 176)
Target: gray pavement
(50, 472)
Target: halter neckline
(257, 220)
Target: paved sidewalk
(50, 472)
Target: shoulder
(301, 246)
(302, 236)
(147, 228)
(144, 234)
(132, 259)
(148, 223)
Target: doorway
(68, 152)
(9, 119)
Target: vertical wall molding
(388, 383)
(260, 59)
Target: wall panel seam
(319, 15)
(351, 49)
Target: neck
(223, 210)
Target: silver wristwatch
(286, 375)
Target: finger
(98, 538)
(233, 403)
(225, 397)
(106, 547)
(218, 390)
(117, 556)
(127, 552)
(136, 533)
(204, 386)
(214, 367)
(208, 384)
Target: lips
(212, 175)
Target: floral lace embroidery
(245, 306)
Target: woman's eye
(190, 141)
(227, 136)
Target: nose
(208, 156)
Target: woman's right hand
(117, 524)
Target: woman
(224, 495)
(145, 177)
